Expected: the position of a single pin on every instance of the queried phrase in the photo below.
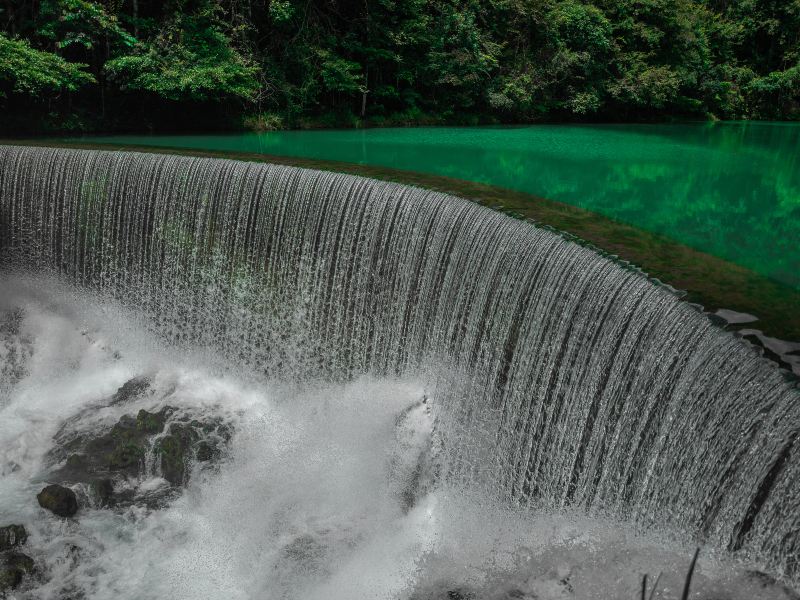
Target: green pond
(729, 189)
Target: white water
(307, 504)
(563, 381)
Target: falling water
(564, 378)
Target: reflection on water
(729, 189)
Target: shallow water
(311, 498)
(729, 189)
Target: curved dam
(561, 380)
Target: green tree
(24, 70)
(191, 58)
(331, 62)
(69, 23)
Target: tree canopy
(114, 64)
(25, 70)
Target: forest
(147, 65)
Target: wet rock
(9, 468)
(14, 566)
(733, 317)
(102, 492)
(16, 348)
(414, 464)
(63, 559)
(772, 348)
(205, 452)
(154, 494)
(131, 390)
(12, 536)
(186, 441)
(172, 449)
(114, 467)
(151, 423)
(459, 595)
(59, 500)
(306, 551)
(119, 452)
(444, 592)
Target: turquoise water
(729, 189)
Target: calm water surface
(729, 189)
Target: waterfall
(564, 378)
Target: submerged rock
(9, 468)
(306, 551)
(205, 452)
(414, 465)
(768, 582)
(445, 592)
(59, 500)
(550, 586)
(16, 349)
(12, 536)
(101, 492)
(134, 389)
(13, 568)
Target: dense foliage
(114, 64)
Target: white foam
(307, 503)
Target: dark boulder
(12, 536)
(13, 568)
(59, 500)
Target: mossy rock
(145, 424)
(12, 536)
(14, 566)
(101, 462)
(152, 422)
(125, 456)
(196, 440)
(121, 451)
(173, 450)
